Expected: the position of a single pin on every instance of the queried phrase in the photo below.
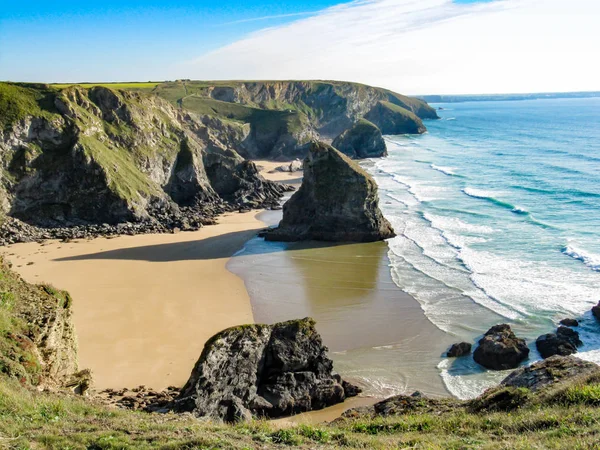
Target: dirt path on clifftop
(145, 305)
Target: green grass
(127, 86)
(20, 101)
(30, 419)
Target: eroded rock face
(338, 201)
(500, 349)
(263, 371)
(550, 371)
(564, 342)
(363, 140)
(101, 156)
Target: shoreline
(129, 336)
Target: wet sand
(145, 305)
(378, 335)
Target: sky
(411, 46)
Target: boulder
(596, 311)
(564, 342)
(500, 349)
(338, 201)
(569, 322)
(550, 371)
(263, 371)
(362, 140)
(460, 349)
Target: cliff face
(77, 156)
(337, 201)
(38, 344)
(362, 140)
(285, 116)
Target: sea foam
(589, 259)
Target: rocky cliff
(76, 156)
(338, 201)
(362, 140)
(38, 345)
(263, 371)
(284, 116)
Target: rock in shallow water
(460, 349)
(337, 201)
(263, 371)
(564, 342)
(500, 349)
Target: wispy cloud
(425, 46)
(276, 16)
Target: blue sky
(126, 40)
(412, 46)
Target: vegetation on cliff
(76, 156)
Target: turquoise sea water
(497, 210)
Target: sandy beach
(144, 305)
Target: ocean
(497, 211)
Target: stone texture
(568, 322)
(338, 201)
(564, 342)
(550, 371)
(362, 140)
(459, 349)
(500, 349)
(263, 371)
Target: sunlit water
(497, 210)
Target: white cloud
(425, 46)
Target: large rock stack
(263, 371)
(338, 201)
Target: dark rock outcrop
(392, 119)
(459, 349)
(564, 342)
(500, 349)
(568, 322)
(363, 140)
(337, 201)
(596, 311)
(263, 371)
(550, 371)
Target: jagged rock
(550, 371)
(393, 119)
(564, 342)
(460, 349)
(337, 201)
(363, 140)
(569, 322)
(500, 349)
(596, 311)
(101, 156)
(263, 371)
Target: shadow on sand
(216, 247)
